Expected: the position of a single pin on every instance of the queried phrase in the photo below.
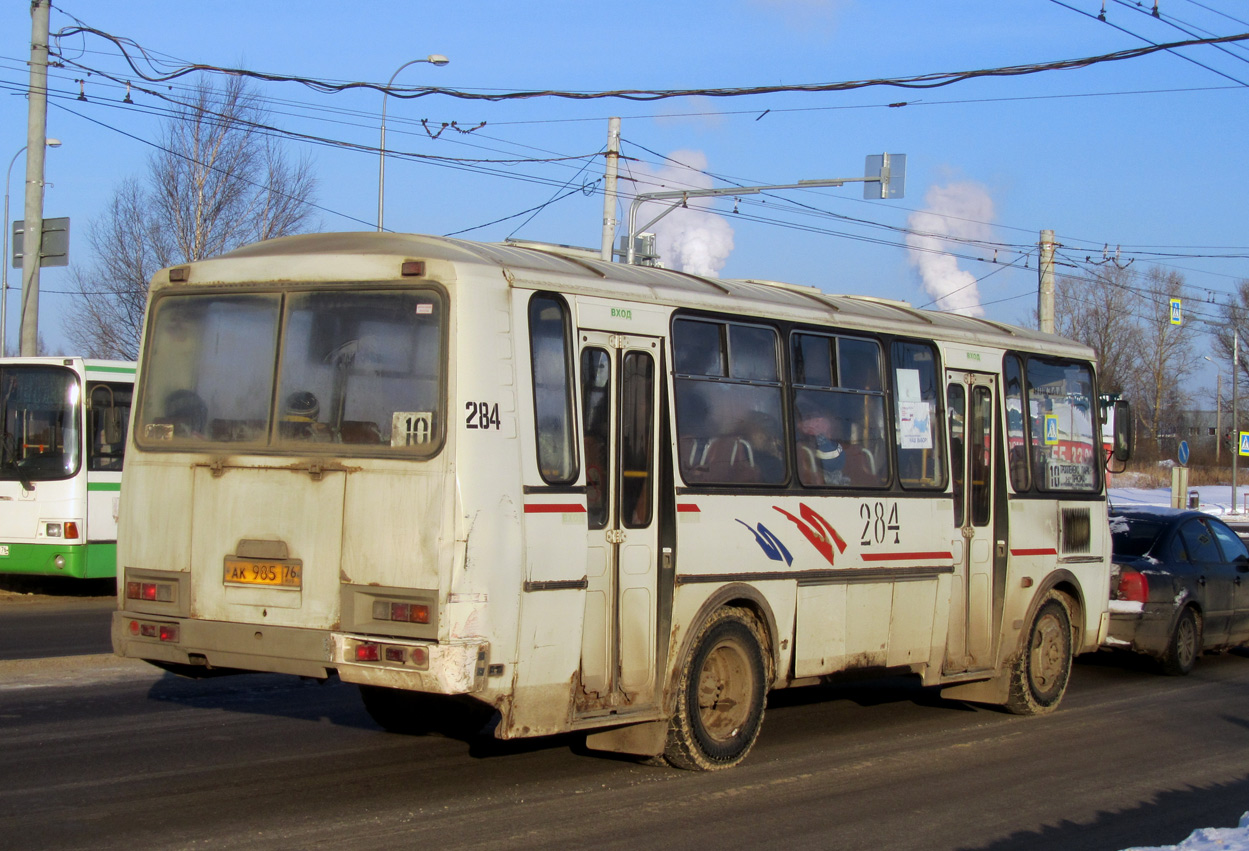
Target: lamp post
(433, 59)
(4, 271)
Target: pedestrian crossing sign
(1244, 443)
(1051, 430)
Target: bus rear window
(360, 368)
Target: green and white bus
(64, 423)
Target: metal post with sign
(1179, 478)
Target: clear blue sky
(1140, 153)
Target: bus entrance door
(619, 410)
(970, 407)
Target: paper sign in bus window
(411, 428)
(914, 414)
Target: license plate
(269, 573)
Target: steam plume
(958, 211)
(687, 239)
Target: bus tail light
(153, 592)
(414, 657)
(67, 529)
(387, 610)
(1133, 586)
(161, 631)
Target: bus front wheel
(721, 695)
(1039, 677)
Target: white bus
(64, 423)
(596, 497)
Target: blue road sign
(1183, 453)
(1244, 443)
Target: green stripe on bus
(129, 370)
(103, 486)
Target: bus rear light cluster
(371, 651)
(161, 631)
(386, 610)
(155, 592)
(67, 530)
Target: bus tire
(721, 694)
(1039, 676)
(1184, 646)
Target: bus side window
(108, 421)
(728, 403)
(1016, 427)
(551, 352)
(917, 416)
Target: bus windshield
(295, 371)
(40, 407)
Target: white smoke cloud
(689, 239)
(960, 211)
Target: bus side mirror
(1124, 435)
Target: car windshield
(1133, 536)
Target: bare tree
(218, 182)
(1096, 309)
(1235, 317)
(1167, 358)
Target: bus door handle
(1001, 549)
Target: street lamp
(4, 271)
(433, 59)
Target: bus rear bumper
(459, 668)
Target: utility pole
(1045, 292)
(1235, 412)
(609, 187)
(36, 140)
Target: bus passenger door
(970, 407)
(619, 408)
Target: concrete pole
(36, 135)
(609, 188)
(1218, 417)
(1045, 292)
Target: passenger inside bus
(187, 413)
(299, 418)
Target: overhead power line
(922, 81)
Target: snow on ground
(1217, 500)
(1210, 838)
(1213, 499)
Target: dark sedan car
(1179, 585)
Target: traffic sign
(1183, 453)
(1176, 311)
(1051, 430)
(1244, 443)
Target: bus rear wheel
(1039, 677)
(721, 695)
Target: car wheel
(1039, 676)
(721, 695)
(1184, 647)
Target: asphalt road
(103, 753)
